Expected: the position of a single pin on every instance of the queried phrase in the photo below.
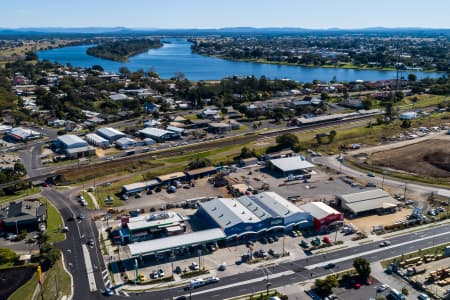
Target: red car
(357, 285)
(45, 184)
(327, 240)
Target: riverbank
(339, 66)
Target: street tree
(287, 140)
(362, 266)
(324, 286)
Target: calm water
(176, 56)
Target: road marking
(105, 276)
(125, 293)
(89, 270)
(259, 279)
(367, 253)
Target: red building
(322, 214)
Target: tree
(97, 68)
(199, 162)
(362, 266)
(53, 255)
(124, 71)
(405, 291)
(332, 135)
(287, 140)
(246, 153)
(325, 286)
(412, 77)
(7, 255)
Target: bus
(397, 295)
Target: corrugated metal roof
(109, 132)
(156, 132)
(125, 141)
(175, 129)
(171, 176)
(319, 210)
(95, 138)
(276, 205)
(367, 200)
(289, 164)
(164, 244)
(154, 220)
(71, 139)
(229, 212)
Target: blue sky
(225, 13)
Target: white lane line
(89, 270)
(125, 293)
(259, 279)
(367, 253)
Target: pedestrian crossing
(108, 284)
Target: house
(118, 97)
(352, 103)
(150, 107)
(152, 123)
(56, 123)
(209, 113)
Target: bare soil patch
(429, 158)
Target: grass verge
(20, 194)
(88, 198)
(57, 283)
(54, 223)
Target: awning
(276, 227)
(247, 232)
(302, 222)
(231, 236)
(261, 230)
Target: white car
(382, 288)
(194, 266)
(212, 279)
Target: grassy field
(25, 292)
(57, 283)
(20, 194)
(54, 223)
(421, 101)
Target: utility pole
(404, 192)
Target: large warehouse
(96, 140)
(255, 214)
(73, 146)
(289, 165)
(110, 134)
(322, 213)
(362, 202)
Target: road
(79, 233)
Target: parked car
(222, 266)
(80, 217)
(327, 240)
(194, 266)
(154, 275)
(161, 273)
(304, 244)
(178, 270)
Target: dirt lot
(366, 224)
(429, 158)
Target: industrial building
(26, 214)
(22, 135)
(125, 143)
(199, 173)
(110, 134)
(157, 134)
(289, 165)
(408, 115)
(368, 201)
(322, 213)
(137, 187)
(176, 130)
(73, 146)
(96, 140)
(253, 215)
(69, 141)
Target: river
(176, 56)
